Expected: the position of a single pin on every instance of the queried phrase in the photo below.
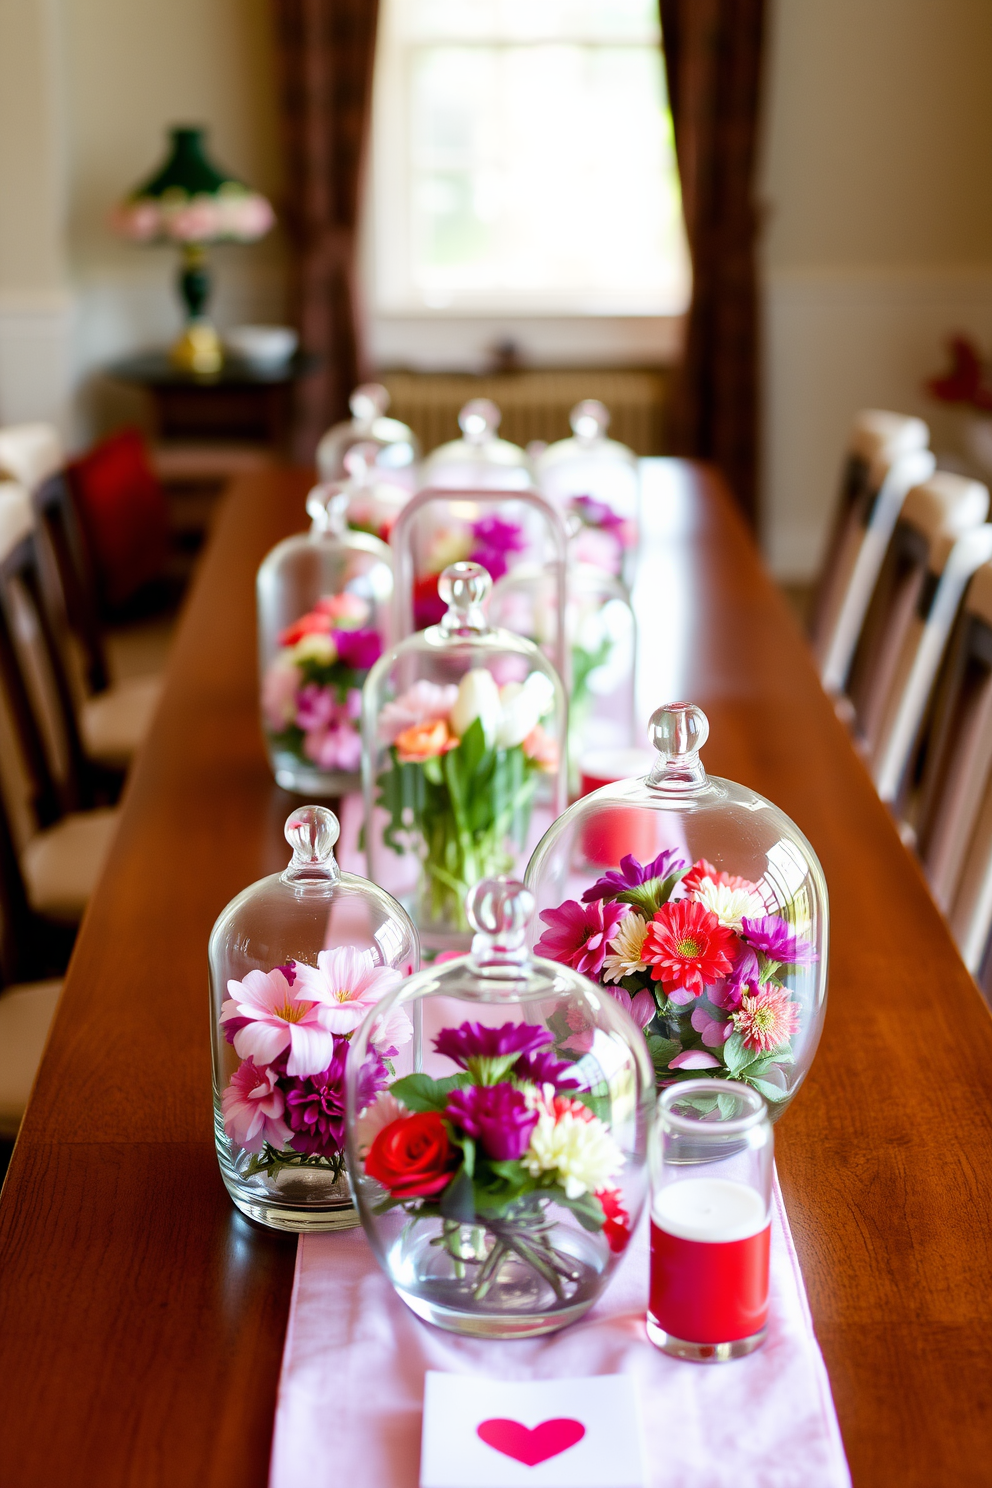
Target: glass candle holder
(710, 1158)
(500, 1175)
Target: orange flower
(541, 748)
(422, 741)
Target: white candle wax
(713, 1209)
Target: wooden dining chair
(939, 540)
(67, 843)
(114, 717)
(953, 815)
(29, 453)
(886, 458)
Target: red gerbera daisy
(687, 947)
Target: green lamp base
(198, 348)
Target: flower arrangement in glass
(323, 620)
(463, 764)
(480, 460)
(701, 907)
(595, 480)
(601, 633)
(500, 1175)
(296, 963)
(390, 446)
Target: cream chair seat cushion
(30, 452)
(61, 865)
(26, 1013)
(114, 723)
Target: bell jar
(480, 458)
(701, 907)
(324, 617)
(296, 962)
(597, 480)
(463, 733)
(396, 446)
(500, 1174)
(375, 496)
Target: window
(523, 161)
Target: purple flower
(578, 934)
(493, 538)
(498, 1116)
(632, 875)
(476, 1041)
(597, 514)
(777, 940)
(316, 706)
(744, 971)
(359, 649)
(542, 1068)
(315, 1103)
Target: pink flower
(338, 747)
(139, 221)
(694, 1059)
(197, 222)
(269, 1017)
(766, 1019)
(346, 984)
(253, 1109)
(279, 694)
(245, 215)
(641, 1006)
(349, 611)
(422, 703)
(714, 1031)
(579, 934)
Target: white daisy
(730, 906)
(624, 956)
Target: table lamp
(192, 203)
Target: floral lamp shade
(192, 203)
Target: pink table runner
(352, 1384)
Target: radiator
(535, 404)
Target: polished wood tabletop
(142, 1319)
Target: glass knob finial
(678, 732)
(311, 832)
(360, 459)
(500, 911)
(327, 507)
(368, 402)
(589, 419)
(464, 588)
(479, 420)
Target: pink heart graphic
(531, 1445)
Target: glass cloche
(296, 962)
(397, 449)
(597, 480)
(375, 496)
(324, 617)
(701, 907)
(480, 458)
(463, 733)
(601, 633)
(500, 1173)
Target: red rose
(617, 1226)
(412, 1157)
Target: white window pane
(523, 20)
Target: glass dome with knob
(500, 1175)
(463, 759)
(396, 448)
(597, 480)
(701, 907)
(296, 963)
(480, 459)
(324, 618)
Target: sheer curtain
(326, 52)
(713, 61)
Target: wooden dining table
(142, 1318)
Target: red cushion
(124, 511)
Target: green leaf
(467, 1145)
(599, 1105)
(419, 1092)
(735, 1056)
(768, 1090)
(662, 1050)
(458, 1199)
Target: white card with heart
(555, 1433)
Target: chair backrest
(920, 586)
(37, 687)
(29, 453)
(954, 830)
(58, 523)
(879, 440)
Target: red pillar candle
(621, 829)
(709, 1261)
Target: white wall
(87, 91)
(877, 180)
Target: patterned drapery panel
(326, 52)
(713, 53)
